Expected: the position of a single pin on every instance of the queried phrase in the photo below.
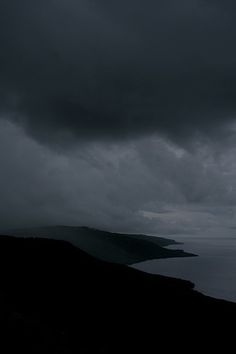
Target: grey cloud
(141, 94)
(92, 70)
(145, 185)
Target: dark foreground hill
(54, 298)
(107, 246)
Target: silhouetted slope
(111, 247)
(57, 299)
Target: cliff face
(54, 298)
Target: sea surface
(213, 272)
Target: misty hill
(55, 298)
(107, 246)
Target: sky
(119, 115)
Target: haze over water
(213, 272)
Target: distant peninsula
(107, 246)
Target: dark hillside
(57, 299)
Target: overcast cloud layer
(147, 185)
(118, 69)
(118, 114)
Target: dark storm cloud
(108, 69)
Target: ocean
(213, 272)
